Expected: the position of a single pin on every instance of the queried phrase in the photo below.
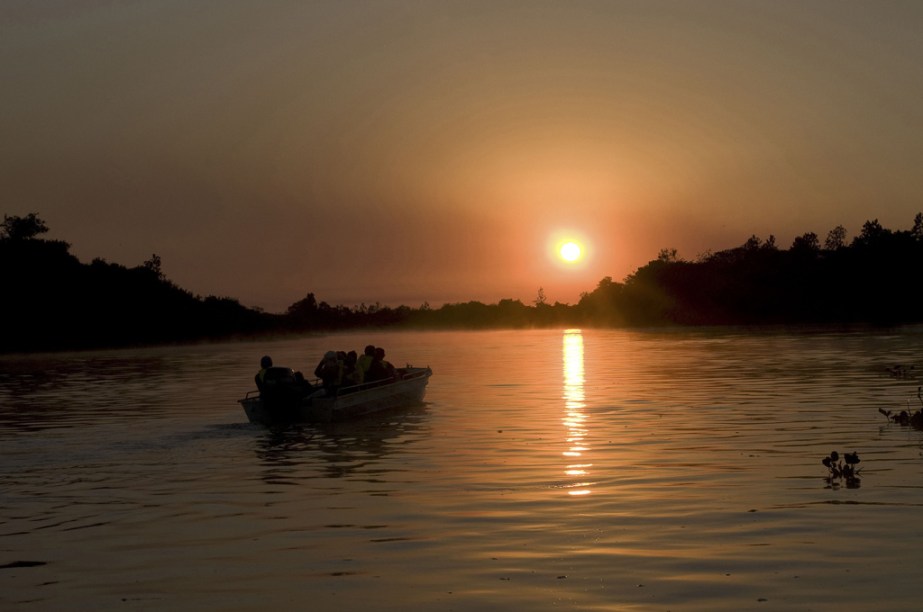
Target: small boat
(287, 402)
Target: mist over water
(574, 469)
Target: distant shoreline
(53, 302)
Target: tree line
(871, 280)
(52, 301)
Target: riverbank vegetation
(52, 301)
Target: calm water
(593, 470)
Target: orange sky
(411, 151)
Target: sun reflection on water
(575, 419)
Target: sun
(570, 251)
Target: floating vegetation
(913, 418)
(843, 469)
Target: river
(548, 469)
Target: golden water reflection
(575, 419)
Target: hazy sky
(411, 151)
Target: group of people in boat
(336, 370)
(345, 369)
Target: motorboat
(286, 399)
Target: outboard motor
(281, 393)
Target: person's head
(351, 357)
(330, 356)
(370, 350)
(379, 353)
(266, 361)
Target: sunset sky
(408, 151)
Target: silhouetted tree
(304, 312)
(22, 228)
(668, 255)
(872, 234)
(806, 244)
(603, 305)
(154, 265)
(52, 301)
(836, 239)
(917, 231)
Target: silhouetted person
(330, 371)
(380, 369)
(351, 373)
(260, 378)
(364, 361)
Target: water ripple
(585, 469)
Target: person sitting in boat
(265, 364)
(352, 375)
(364, 361)
(330, 371)
(380, 370)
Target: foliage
(869, 280)
(52, 301)
(843, 470)
(22, 228)
(905, 417)
(836, 239)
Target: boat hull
(349, 403)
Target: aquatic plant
(843, 469)
(907, 417)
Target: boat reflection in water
(575, 419)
